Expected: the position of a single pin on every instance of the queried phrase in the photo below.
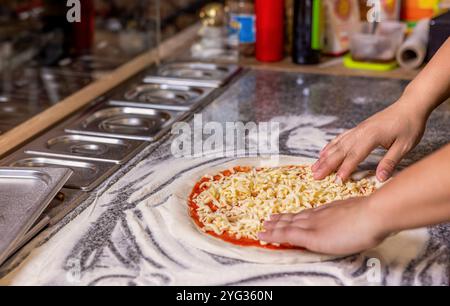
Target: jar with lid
(241, 25)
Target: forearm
(418, 196)
(432, 86)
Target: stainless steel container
(86, 176)
(193, 74)
(102, 149)
(163, 96)
(24, 195)
(137, 123)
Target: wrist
(414, 103)
(380, 223)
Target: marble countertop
(119, 235)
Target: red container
(84, 31)
(269, 30)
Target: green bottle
(307, 30)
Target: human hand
(340, 228)
(398, 129)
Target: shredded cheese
(240, 202)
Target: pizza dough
(233, 204)
(182, 227)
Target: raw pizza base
(183, 228)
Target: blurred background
(114, 30)
(45, 58)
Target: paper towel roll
(412, 52)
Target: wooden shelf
(333, 66)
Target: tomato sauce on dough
(247, 242)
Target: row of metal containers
(97, 140)
(28, 90)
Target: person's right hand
(397, 128)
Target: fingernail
(384, 175)
(338, 180)
(317, 175)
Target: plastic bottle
(241, 24)
(307, 32)
(269, 30)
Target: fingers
(333, 142)
(289, 234)
(295, 229)
(324, 151)
(270, 225)
(344, 154)
(289, 216)
(352, 159)
(387, 165)
(285, 220)
(294, 220)
(329, 145)
(282, 217)
(330, 161)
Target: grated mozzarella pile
(238, 204)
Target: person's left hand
(340, 228)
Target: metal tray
(24, 194)
(163, 96)
(86, 176)
(82, 147)
(64, 203)
(193, 74)
(39, 226)
(137, 123)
